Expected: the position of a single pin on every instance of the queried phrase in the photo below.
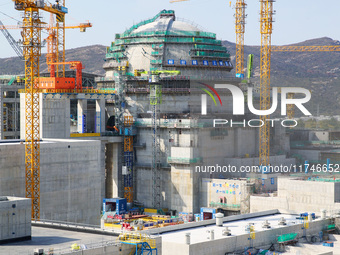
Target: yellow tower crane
(32, 50)
(327, 48)
(51, 56)
(240, 21)
(266, 23)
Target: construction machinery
(266, 23)
(240, 21)
(32, 50)
(52, 43)
(11, 41)
(54, 82)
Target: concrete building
(301, 194)
(15, 219)
(242, 233)
(186, 140)
(10, 106)
(72, 178)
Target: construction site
(168, 151)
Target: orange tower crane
(32, 50)
(51, 56)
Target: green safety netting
(286, 237)
(210, 47)
(115, 55)
(184, 160)
(144, 22)
(168, 40)
(210, 54)
(331, 226)
(157, 46)
(224, 205)
(169, 33)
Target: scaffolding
(124, 124)
(155, 101)
(144, 244)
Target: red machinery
(61, 82)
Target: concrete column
(67, 125)
(100, 116)
(1, 114)
(236, 141)
(113, 177)
(82, 115)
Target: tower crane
(266, 22)
(240, 21)
(52, 41)
(32, 50)
(11, 41)
(51, 56)
(327, 48)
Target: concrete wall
(184, 189)
(71, 178)
(15, 219)
(213, 190)
(121, 249)
(238, 243)
(143, 191)
(54, 117)
(112, 169)
(264, 238)
(307, 154)
(319, 136)
(337, 192)
(300, 196)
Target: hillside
(91, 56)
(317, 71)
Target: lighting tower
(240, 21)
(32, 50)
(266, 21)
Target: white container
(219, 219)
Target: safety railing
(135, 237)
(71, 91)
(224, 205)
(176, 160)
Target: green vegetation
(331, 124)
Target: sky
(295, 20)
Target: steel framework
(32, 52)
(266, 21)
(306, 48)
(155, 101)
(60, 43)
(240, 21)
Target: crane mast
(266, 22)
(32, 51)
(240, 21)
(60, 33)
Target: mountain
(317, 71)
(91, 56)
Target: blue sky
(295, 20)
